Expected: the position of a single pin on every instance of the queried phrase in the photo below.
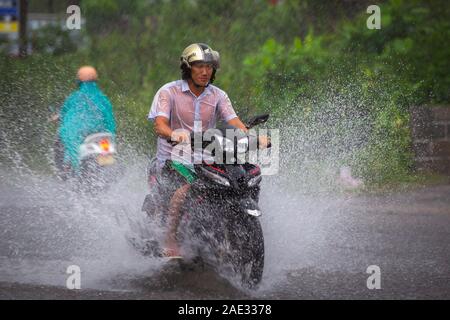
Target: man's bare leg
(177, 200)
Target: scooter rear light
(104, 145)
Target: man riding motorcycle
(85, 111)
(191, 104)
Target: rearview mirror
(257, 120)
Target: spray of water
(46, 222)
(47, 226)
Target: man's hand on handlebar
(263, 142)
(179, 136)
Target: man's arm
(226, 110)
(162, 129)
(263, 141)
(236, 122)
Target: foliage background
(314, 65)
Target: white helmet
(200, 52)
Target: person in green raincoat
(85, 111)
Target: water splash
(46, 226)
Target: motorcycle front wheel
(246, 242)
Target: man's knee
(183, 189)
(180, 193)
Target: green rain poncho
(85, 111)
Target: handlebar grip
(172, 143)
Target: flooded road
(317, 246)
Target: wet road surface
(316, 248)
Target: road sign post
(23, 37)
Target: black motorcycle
(220, 216)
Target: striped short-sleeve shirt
(185, 110)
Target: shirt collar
(185, 88)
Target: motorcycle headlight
(222, 180)
(253, 181)
(216, 177)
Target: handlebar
(206, 143)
